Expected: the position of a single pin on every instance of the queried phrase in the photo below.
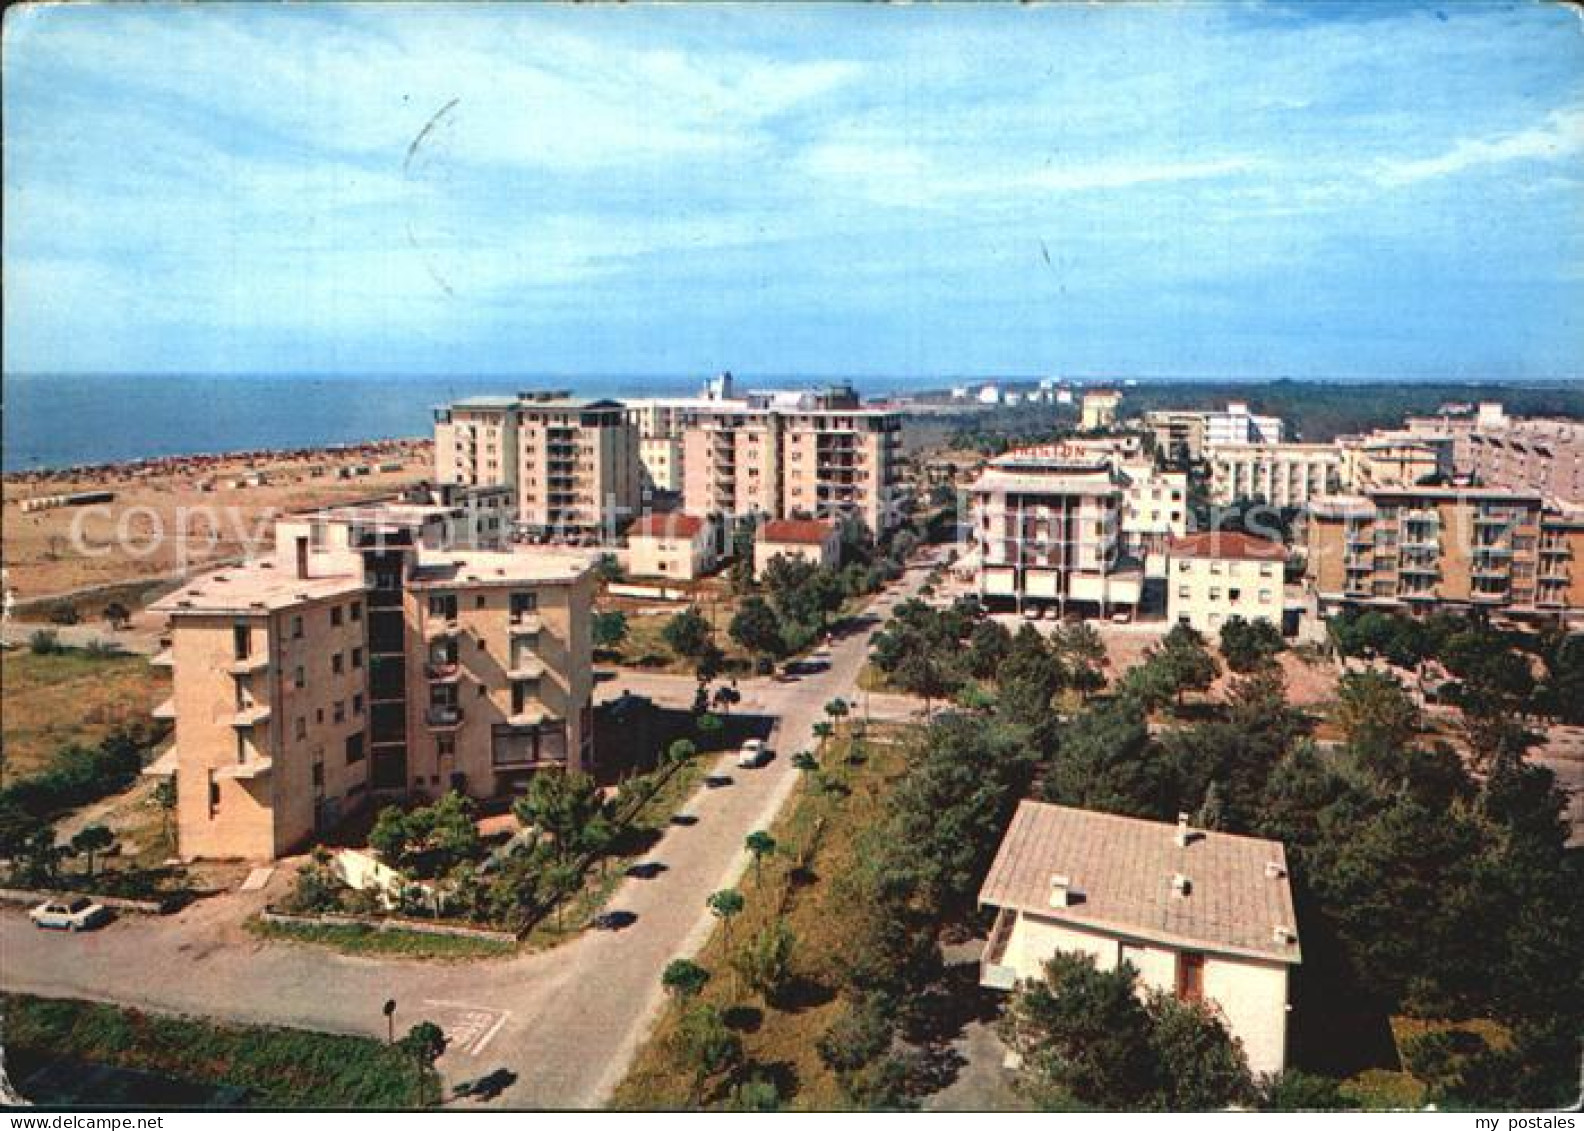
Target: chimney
(1181, 885)
(302, 558)
(1060, 890)
(1184, 835)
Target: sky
(1200, 189)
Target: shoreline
(151, 467)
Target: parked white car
(754, 753)
(78, 914)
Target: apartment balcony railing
(437, 629)
(246, 770)
(166, 710)
(443, 717)
(526, 667)
(251, 715)
(249, 665)
(525, 624)
(447, 671)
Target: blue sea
(65, 421)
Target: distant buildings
(1283, 475)
(1237, 425)
(1201, 915)
(572, 464)
(1216, 576)
(1424, 548)
(1179, 435)
(1099, 409)
(369, 656)
(1496, 450)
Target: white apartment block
(1283, 475)
(1237, 425)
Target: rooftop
(257, 587)
(1121, 870)
(672, 525)
(806, 531)
(1227, 544)
(441, 568)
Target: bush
(44, 642)
(64, 613)
(80, 774)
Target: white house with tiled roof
(1214, 577)
(1201, 914)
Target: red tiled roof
(805, 530)
(1228, 544)
(671, 525)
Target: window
(301, 729)
(335, 616)
(241, 641)
(357, 657)
(522, 603)
(357, 705)
(445, 745)
(1182, 567)
(318, 775)
(297, 628)
(340, 711)
(443, 605)
(1265, 596)
(357, 610)
(298, 678)
(1265, 569)
(354, 748)
(1234, 594)
(1215, 593)
(1184, 592)
(337, 664)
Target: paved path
(566, 1022)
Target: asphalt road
(564, 1022)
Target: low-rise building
(1421, 549)
(675, 546)
(1219, 576)
(1206, 916)
(811, 540)
(363, 659)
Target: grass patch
(71, 696)
(356, 939)
(817, 836)
(278, 1067)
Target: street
(565, 1022)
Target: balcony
(526, 624)
(249, 665)
(246, 771)
(251, 715)
(992, 973)
(447, 671)
(529, 715)
(526, 667)
(443, 717)
(164, 658)
(441, 629)
(166, 710)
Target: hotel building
(1283, 475)
(1048, 527)
(363, 659)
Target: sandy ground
(137, 536)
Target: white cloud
(1561, 136)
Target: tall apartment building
(1283, 475)
(1048, 530)
(1237, 425)
(1393, 459)
(359, 660)
(1497, 450)
(573, 464)
(816, 455)
(1154, 511)
(1179, 435)
(1425, 548)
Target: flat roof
(254, 588)
(1122, 870)
(444, 568)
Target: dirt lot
(138, 534)
(50, 701)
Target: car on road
(754, 753)
(78, 914)
(1034, 612)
